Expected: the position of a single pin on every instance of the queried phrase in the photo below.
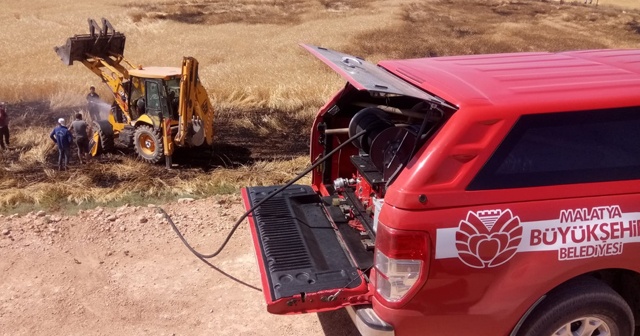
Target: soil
(124, 272)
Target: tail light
(401, 262)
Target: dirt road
(124, 272)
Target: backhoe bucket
(100, 42)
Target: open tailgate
(302, 253)
(367, 76)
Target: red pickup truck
(485, 195)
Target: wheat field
(264, 87)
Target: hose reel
(387, 145)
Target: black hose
(279, 190)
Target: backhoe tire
(105, 138)
(584, 306)
(148, 144)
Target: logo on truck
(490, 238)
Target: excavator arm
(101, 52)
(195, 113)
(114, 75)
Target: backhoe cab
(155, 109)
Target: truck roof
(155, 72)
(525, 78)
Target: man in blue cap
(63, 138)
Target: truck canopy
(524, 78)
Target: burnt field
(241, 156)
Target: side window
(565, 148)
(153, 96)
(137, 92)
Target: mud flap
(94, 143)
(303, 263)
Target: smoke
(102, 111)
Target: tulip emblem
(488, 238)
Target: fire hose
(250, 211)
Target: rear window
(565, 148)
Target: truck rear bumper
(368, 322)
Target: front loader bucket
(100, 42)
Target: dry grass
(129, 180)
(248, 52)
(248, 48)
(265, 88)
(214, 12)
(445, 27)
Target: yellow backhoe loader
(155, 109)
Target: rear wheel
(148, 144)
(583, 307)
(102, 140)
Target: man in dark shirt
(4, 126)
(93, 100)
(79, 128)
(63, 138)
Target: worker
(63, 138)
(4, 126)
(174, 103)
(93, 101)
(140, 106)
(79, 129)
